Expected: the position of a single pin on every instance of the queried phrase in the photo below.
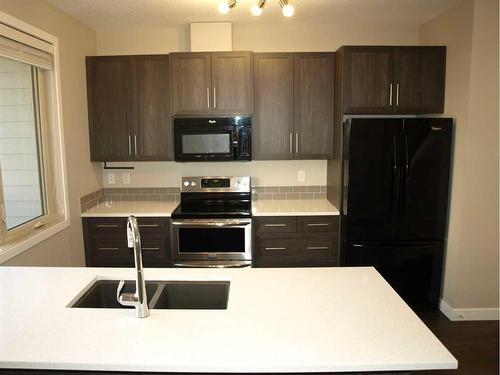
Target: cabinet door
(232, 83)
(368, 79)
(272, 136)
(109, 95)
(313, 106)
(420, 79)
(152, 115)
(191, 83)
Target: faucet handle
(125, 299)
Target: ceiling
(99, 14)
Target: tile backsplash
(173, 194)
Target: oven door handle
(212, 223)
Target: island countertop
(277, 320)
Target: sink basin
(161, 294)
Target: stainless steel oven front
(212, 242)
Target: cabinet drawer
(152, 226)
(107, 227)
(281, 224)
(154, 252)
(109, 252)
(317, 224)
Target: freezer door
(413, 270)
(372, 157)
(425, 179)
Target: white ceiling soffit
(102, 14)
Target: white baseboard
(468, 314)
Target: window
(33, 199)
(21, 149)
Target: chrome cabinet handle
(390, 95)
(129, 145)
(108, 248)
(149, 225)
(317, 224)
(215, 98)
(317, 248)
(151, 248)
(275, 248)
(291, 143)
(275, 225)
(296, 143)
(107, 225)
(397, 95)
(208, 97)
(135, 144)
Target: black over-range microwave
(213, 138)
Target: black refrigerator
(395, 176)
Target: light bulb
(256, 10)
(224, 7)
(288, 10)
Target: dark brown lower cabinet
(295, 241)
(106, 242)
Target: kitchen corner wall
(471, 278)
(280, 35)
(75, 42)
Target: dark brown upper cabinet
(392, 80)
(293, 99)
(129, 108)
(205, 83)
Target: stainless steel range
(212, 226)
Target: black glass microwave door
(217, 143)
(373, 172)
(211, 240)
(425, 178)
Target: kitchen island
(277, 320)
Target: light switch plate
(111, 178)
(126, 178)
(302, 176)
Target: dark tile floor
(473, 343)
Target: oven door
(200, 143)
(217, 241)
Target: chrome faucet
(138, 299)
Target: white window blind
(19, 51)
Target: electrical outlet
(111, 178)
(126, 178)
(302, 176)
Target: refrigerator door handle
(395, 167)
(407, 162)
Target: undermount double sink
(161, 294)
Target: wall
(282, 36)
(75, 42)
(470, 30)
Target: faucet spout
(138, 299)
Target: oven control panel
(215, 184)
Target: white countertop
(136, 208)
(293, 207)
(277, 320)
(260, 207)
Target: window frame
(56, 217)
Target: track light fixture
(256, 9)
(226, 5)
(286, 8)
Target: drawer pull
(151, 248)
(317, 247)
(149, 225)
(107, 225)
(275, 225)
(275, 248)
(108, 248)
(317, 224)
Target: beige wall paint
(75, 42)
(470, 30)
(289, 36)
